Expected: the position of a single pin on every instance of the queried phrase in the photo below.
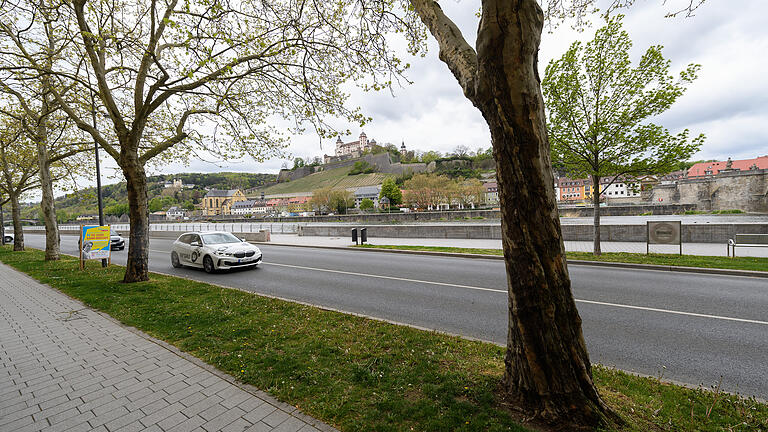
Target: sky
(728, 102)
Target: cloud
(727, 102)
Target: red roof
(712, 168)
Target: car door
(195, 250)
(182, 249)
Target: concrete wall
(628, 210)
(696, 233)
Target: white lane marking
(599, 303)
(725, 318)
(618, 305)
(388, 277)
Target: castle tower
(363, 140)
(339, 144)
(402, 148)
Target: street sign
(94, 243)
(664, 232)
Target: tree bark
(18, 232)
(52, 239)
(596, 213)
(547, 369)
(136, 269)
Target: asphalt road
(692, 328)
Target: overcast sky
(728, 102)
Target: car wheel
(175, 260)
(208, 264)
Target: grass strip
(737, 263)
(355, 373)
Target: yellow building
(219, 202)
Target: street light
(98, 174)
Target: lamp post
(98, 175)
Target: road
(692, 327)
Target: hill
(115, 196)
(335, 178)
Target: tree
(599, 107)
(18, 167)
(391, 191)
(547, 370)
(43, 122)
(171, 80)
(366, 204)
(298, 163)
(430, 156)
(461, 151)
(471, 192)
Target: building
(621, 187)
(354, 148)
(175, 213)
(491, 193)
(370, 192)
(219, 202)
(178, 183)
(712, 168)
(571, 189)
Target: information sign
(94, 242)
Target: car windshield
(219, 238)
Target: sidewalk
(707, 249)
(64, 366)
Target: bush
(361, 167)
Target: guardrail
(275, 228)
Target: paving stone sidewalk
(66, 367)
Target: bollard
(354, 235)
(363, 235)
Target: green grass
(335, 178)
(738, 263)
(354, 373)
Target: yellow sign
(94, 242)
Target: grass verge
(355, 373)
(738, 263)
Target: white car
(213, 250)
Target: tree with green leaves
(173, 80)
(391, 191)
(366, 204)
(547, 372)
(18, 171)
(599, 107)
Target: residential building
(219, 202)
(248, 207)
(175, 213)
(370, 192)
(712, 168)
(491, 193)
(571, 189)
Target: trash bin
(354, 235)
(363, 235)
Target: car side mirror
(244, 240)
(195, 243)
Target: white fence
(274, 228)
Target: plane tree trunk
(47, 207)
(18, 232)
(547, 369)
(136, 269)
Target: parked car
(214, 250)
(8, 237)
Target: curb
(680, 269)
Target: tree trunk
(52, 239)
(547, 369)
(596, 212)
(18, 232)
(136, 269)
